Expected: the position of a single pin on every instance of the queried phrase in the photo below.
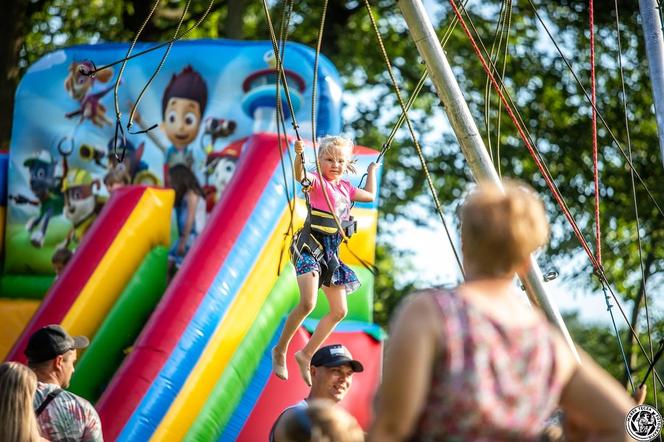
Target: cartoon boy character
(183, 105)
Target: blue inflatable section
(4, 164)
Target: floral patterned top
(490, 381)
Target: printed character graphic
(45, 186)
(81, 205)
(79, 86)
(183, 105)
(220, 167)
(216, 129)
(133, 162)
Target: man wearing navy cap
(332, 369)
(61, 415)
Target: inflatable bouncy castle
(186, 358)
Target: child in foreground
(315, 248)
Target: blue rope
(622, 350)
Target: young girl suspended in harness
(315, 248)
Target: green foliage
(387, 293)
(551, 103)
(601, 343)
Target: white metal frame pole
(471, 142)
(652, 34)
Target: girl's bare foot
(279, 364)
(303, 362)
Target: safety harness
(309, 238)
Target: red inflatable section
(92, 249)
(278, 394)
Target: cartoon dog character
(45, 185)
(81, 205)
(79, 86)
(133, 161)
(220, 167)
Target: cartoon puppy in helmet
(81, 205)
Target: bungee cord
(634, 198)
(547, 177)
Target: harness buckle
(350, 227)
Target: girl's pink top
(340, 195)
(490, 381)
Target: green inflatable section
(230, 388)
(360, 302)
(24, 286)
(121, 327)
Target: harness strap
(52, 395)
(324, 222)
(320, 222)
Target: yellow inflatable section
(15, 315)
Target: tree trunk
(14, 20)
(338, 16)
(133, 22)
(233, 25)
(631, 350)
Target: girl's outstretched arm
(368, 193)
(300, 172)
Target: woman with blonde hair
(17, 417)
(478, 363)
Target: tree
(556, 114)
(551, 102)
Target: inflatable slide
(188, 360)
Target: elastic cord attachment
(88, 73)
(306, 182)
(119, 132)
(144, 131)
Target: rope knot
(88, 68)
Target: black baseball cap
(51, 341)
(335, 355)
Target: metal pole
(471, 142)
(652, 33)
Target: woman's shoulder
(425, 303)
(428, 295)
(435, 296)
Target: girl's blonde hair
(17, 417)
(501, 228)
(321, 421)
(346, 145)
